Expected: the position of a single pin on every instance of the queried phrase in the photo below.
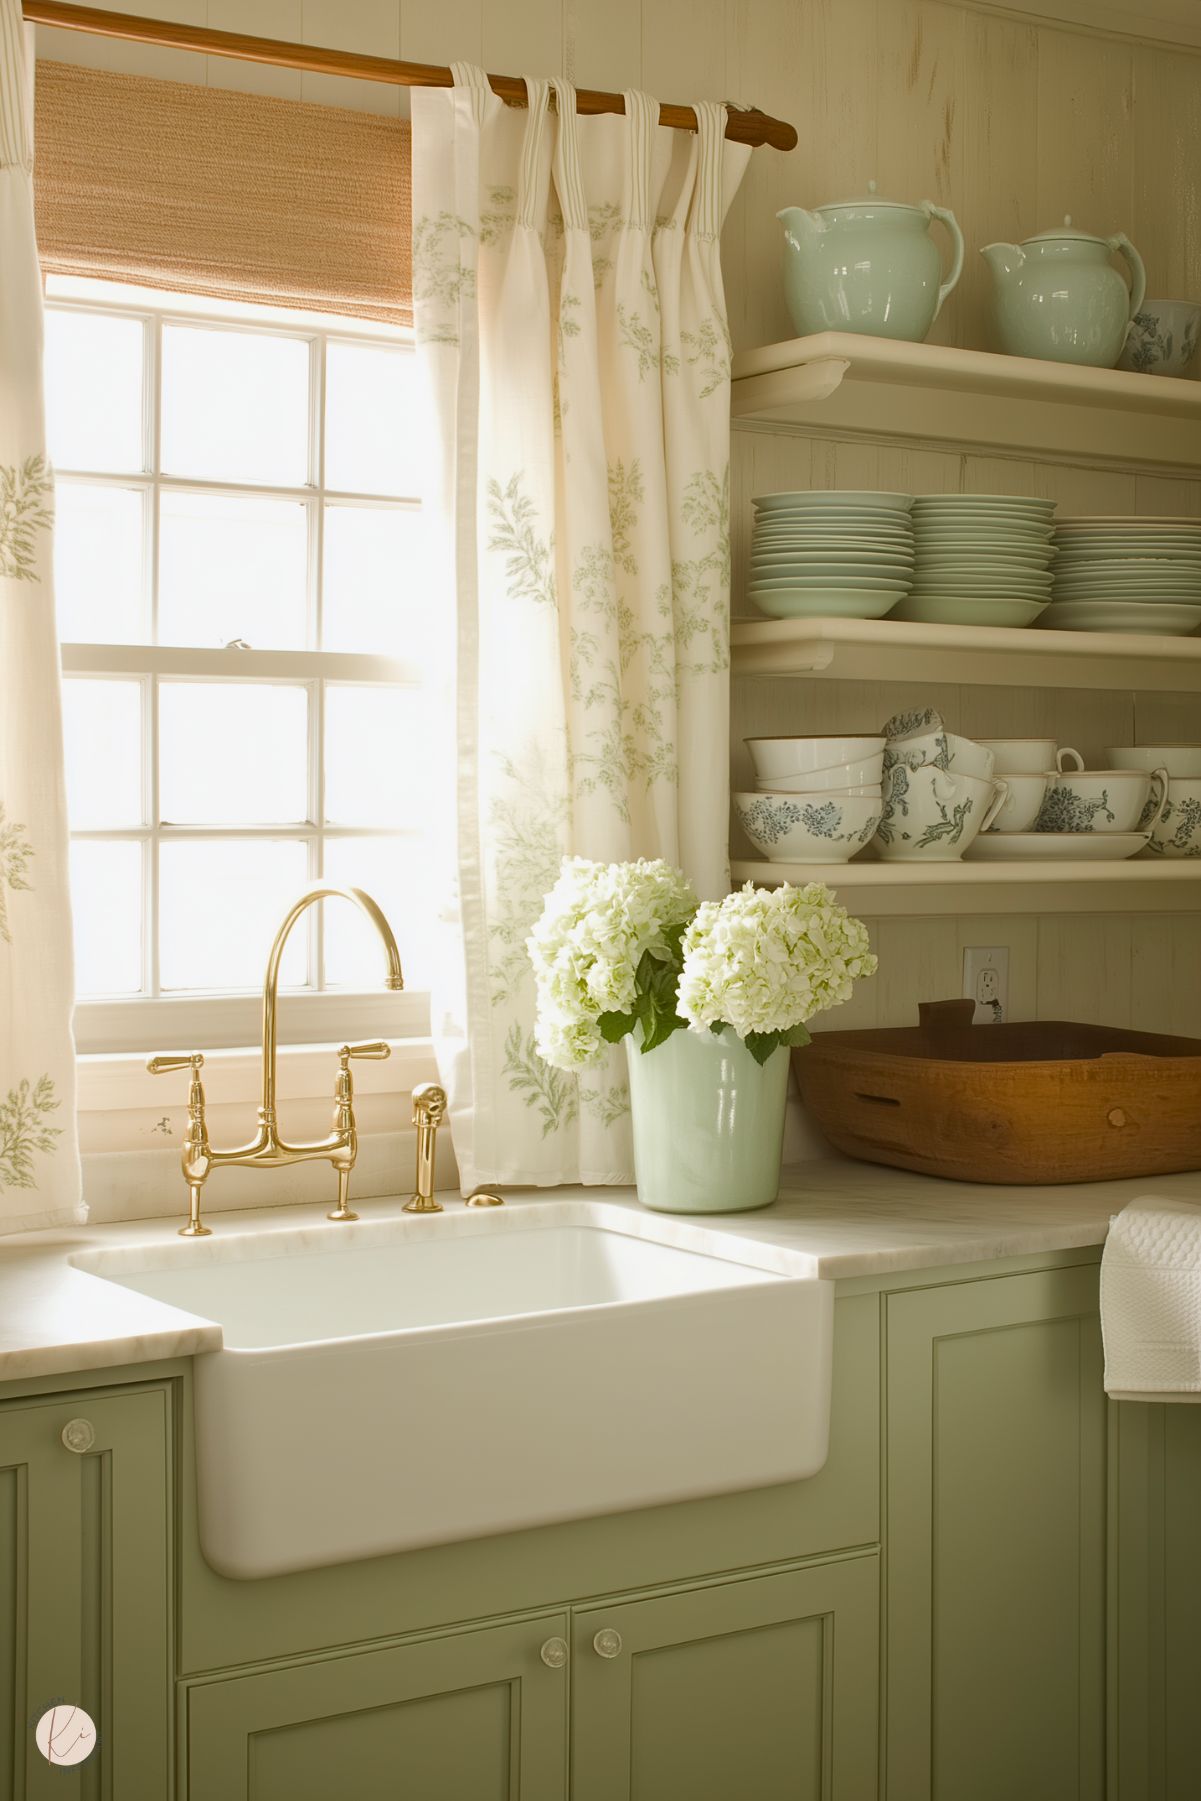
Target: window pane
(220, 904)
(235, 406)
(233, 567)
(94, 391)
(102, 729)
(99, 534)
(373, 441)
(373, 579)
(373, 756)
(106, 881)
(394, 872)
(232, 753)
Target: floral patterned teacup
(1177, 831)
(942, 750)
(1103, 800)
(932, 815)
(1162, 338)
(808, 828)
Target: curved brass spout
(310, 897)
(267, 1150)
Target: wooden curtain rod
(744, 127)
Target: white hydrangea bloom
(766, 960)
(598, 920)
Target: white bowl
(1182, 761)
(795, 756)
(795, 828)
(778, 785)
(864, 771)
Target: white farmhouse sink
(409, 1382)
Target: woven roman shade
(205, 191)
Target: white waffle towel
(1151, 1301)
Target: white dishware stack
(1127, 573)
(830, 553)
(816, 800)
(980, 559)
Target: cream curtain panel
(39, 1156)
(171, 185)
(570, 315)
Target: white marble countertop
(844, 1218)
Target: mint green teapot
(867, 266)
(1057, 296)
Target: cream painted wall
(1011, 121)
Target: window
(239, 600)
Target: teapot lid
(871, 198)
(1066, 230)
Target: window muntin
(243, 688)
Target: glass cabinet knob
(554, 1653)
(79, 1435)
(607, 1643)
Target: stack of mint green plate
(1127, 573)
(831, 553)
(980, 559)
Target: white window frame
(153, 1020)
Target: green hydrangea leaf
(615, 1026)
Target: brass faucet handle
(163, 1066)
(195, 1154)
(377, 1050)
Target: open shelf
(884, 889)
(840, 382)
(883, 650)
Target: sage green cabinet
(85, 1586)
(470, 1716)
(764, 1686)
(995, 1535)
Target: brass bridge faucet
(267, 1150)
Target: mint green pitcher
(867, 266)
(1057, 296)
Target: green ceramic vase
(708, 1123)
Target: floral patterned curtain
(39, 1159)
(570, 316)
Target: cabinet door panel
(84, 1593)
(474, 1716)
(765, 1686)
(995, 1666)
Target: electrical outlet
(986, 981)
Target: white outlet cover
(986, 981)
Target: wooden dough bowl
(1038, 1101)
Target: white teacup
(1022, 756)
(942, 749)
(1024, 801)
(932, 815)
(1182, 761)
(1177, 831)
(1103, 800)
